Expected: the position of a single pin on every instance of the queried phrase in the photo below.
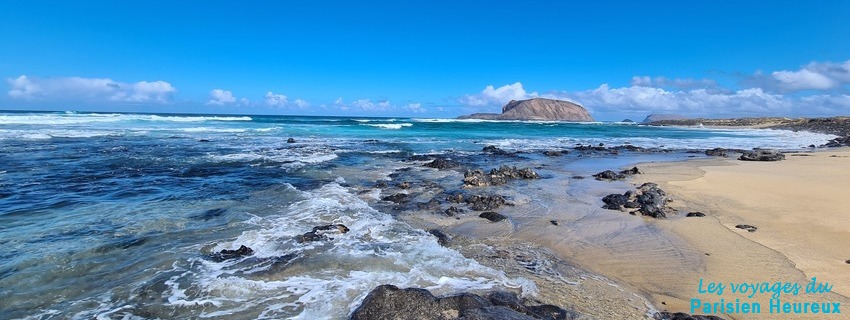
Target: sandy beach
(803, 227)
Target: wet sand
(796, 205)
(803, 223)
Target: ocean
(119, 215)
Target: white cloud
(491, 96)
(221, 97)
(816, 76)
(276, 100)
(89, 90)
(416, 108)
(803, 80)
(368, 105)
(301, 103)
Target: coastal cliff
(537, 109)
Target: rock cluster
(762, 155)
(390, 302)
(494, 150)
(486, 202)
(496, 177)
(441, 163)
(492, 216)
(648, 199)
(227, 254)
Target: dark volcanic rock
(397, 198)
(683, 316)
(321, 232)
(554, 222)
(553, 153)
(492, 216)
(495, 150)
(608, 175)
(290, 140)
(496, 177)
(231, 254)
(453, 211)
(762, 155)
(747, 227)
(403, 185)
(695, 214)
(652, 200)
(381, 184)
(455, 198)
(484, 203)
(432, 204)
(717, 152)
(440, 163)
(388, 302)
(614, 201)
(633, 170)
(442, 238)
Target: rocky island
(537, 109)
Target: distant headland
(537, 109)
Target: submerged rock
(495, 151)
(455, 198)
(440, 163)
(290, 140)
(388, 302)
(762, 155)
(442, 238)
(397, 198)
(608, 175)
(232, 254)
(492, 216)
(321, 232)
(452, 211)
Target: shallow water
(116, 215)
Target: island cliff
(537, 109)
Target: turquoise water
(116, 215)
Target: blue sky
(427, 58)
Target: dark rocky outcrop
(609, 175)
(762, 155)
(432, 204)
(321, 233)
(442, 238)
(492, 216)
(554, 153)
(494, 150)
(747, 227)
(453, 211)
(484, 203)
(537, 109)
(455, 198)
(663, 117)
(440, 163)
(397, 198)
(717, 152)
(695, 214)
(650, 201)
(227, 254)
(496, 177)
(290, 140)
(683, 316)
(388, 302)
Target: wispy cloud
(220, 97)
(77, 89)
(815, 76)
